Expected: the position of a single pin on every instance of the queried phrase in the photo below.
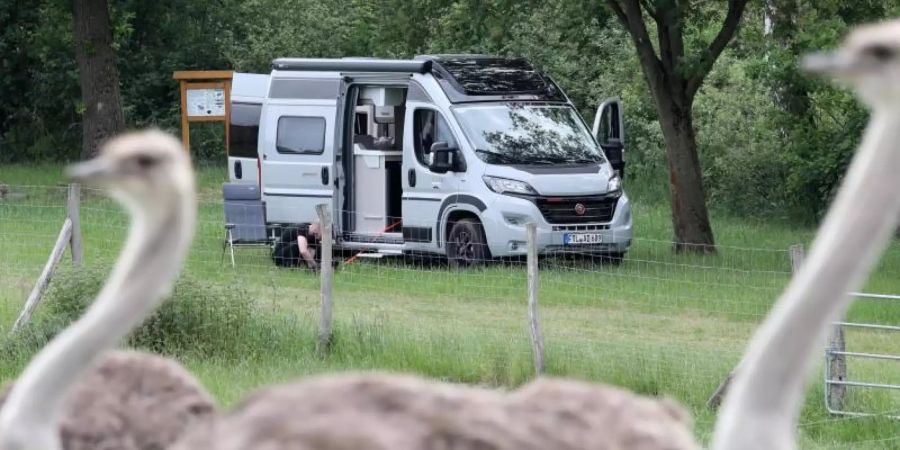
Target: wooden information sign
(205, 97)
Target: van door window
(609, 126)
(430, 127)
(300, 135)
(244, 130)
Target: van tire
(466, 244)
(614, 258)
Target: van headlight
(505, 185)
(614, 184)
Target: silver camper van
(441, 154)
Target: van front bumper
(504, 224)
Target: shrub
(198, 317)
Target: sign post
(205, 97)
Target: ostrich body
(131, 401)
(394, 412)
(72, 395)
(762, 407)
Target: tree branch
(729, 28)
(629, 12)
(617, 10)
(650, 10)
(663, 37)
(676, 34)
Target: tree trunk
(690, 218)
(97, 74)
(674, 86)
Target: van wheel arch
(470, 228)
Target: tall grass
(660, 324)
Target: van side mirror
(443, 156)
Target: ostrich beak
(91, 171)
(829, 63)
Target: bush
(199, 318)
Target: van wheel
(614, 258)
(466, 244)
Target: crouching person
(300, 244)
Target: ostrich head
(763, 405)
(869, 61)
(147, 171)
(150, 174)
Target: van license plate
(582, 238)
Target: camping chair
(245, 220)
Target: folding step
(370, 255)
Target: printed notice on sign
(206, 102)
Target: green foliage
(771, 139)
(38, 82)
(199, 317)
(813, 126)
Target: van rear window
(244, 133)
(304, 135)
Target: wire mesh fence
(654, 321)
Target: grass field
(660, 324)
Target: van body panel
(248, 92)
(506, 218)
(558, 180)
(295, 180)
(426, 194)
(423, 190)
(453, 204)
(243, 156)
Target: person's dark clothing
(287, 250)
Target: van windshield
(521, 133)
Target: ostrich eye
(145, 162)
(880, 52)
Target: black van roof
(486, 77)
(351, 65)
(465, 78)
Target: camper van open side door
(297, 161)
(248, 91)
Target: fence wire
(656, 322)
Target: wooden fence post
(534, 284)
(37, 292)
(326, 281)
(73, 209)
(836, 367)
(797, 255)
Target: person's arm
(307, 253)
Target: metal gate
(837, 358)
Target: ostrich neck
(149, 263)
(768, 390)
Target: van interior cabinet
(377, 160)
(375, 168)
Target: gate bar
(866, 355)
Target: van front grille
(586, 227)
(591, 209)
